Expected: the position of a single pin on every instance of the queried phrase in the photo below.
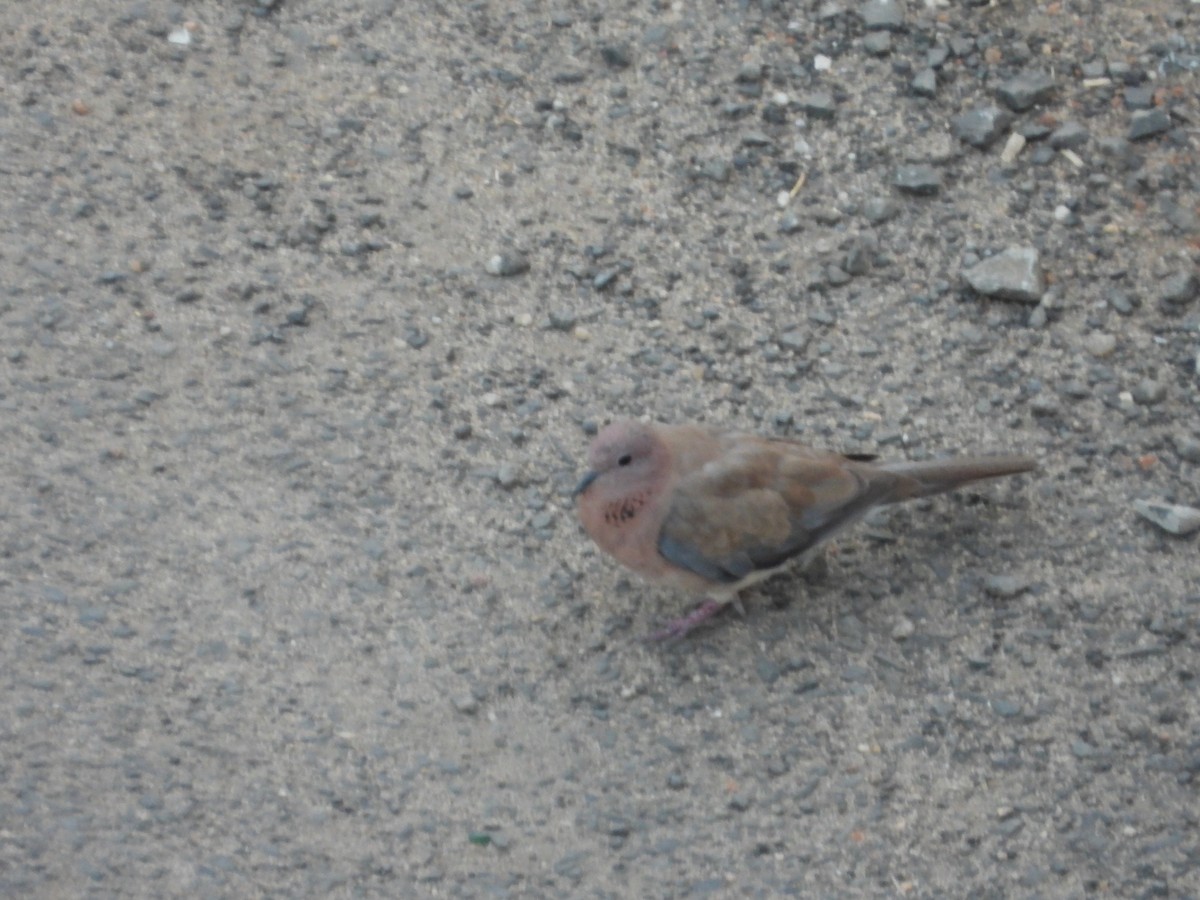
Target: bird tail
(923, 479)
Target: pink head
(626, 458)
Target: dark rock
(878, 43)
(920, 179)
(1139, 97)
(819, 105)
(982, 126)
(1148, 123)
(1069, 135)
(617, 56)
(1013, 274)
(878, 210)
(1026, 90)
(1179, 289)
(882, 15)
(924, 83)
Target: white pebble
(1100, 344)
(903, 629)
(1012, 148)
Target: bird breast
(620, 512)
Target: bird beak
(585, 483)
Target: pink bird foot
(679, 628)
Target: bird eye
(625, 460)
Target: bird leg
(678, 628)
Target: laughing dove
(712, 512)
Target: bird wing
(761, 502)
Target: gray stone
(1149, 392)
(715, 170)
(1170, 517)
(790, 223)
(749, 73)
(605, 278)
(882, 15)
(878, 210)
(1188, 448)
(507, 264)
(858, 257)
(1006, 709)
(1139, 97)
(878, 43)
(1005, 586)
(1100, 344)
(562, 319)
(1069, 136)
(819, 105)
(1026, 90)
(920, 179)
(1146, 123)
(1121, 302)
(617, 56)
(1179, 289)
(982, 126)
(1013, 274)
(793, 340)
(924, 83)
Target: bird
(712, 512)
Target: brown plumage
(712, 512)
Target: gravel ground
(309, 311)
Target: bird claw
(677, 629)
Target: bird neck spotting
(712, 512)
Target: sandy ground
(294, 600)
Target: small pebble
(466, 704)
(1170, 517)
(1069, 135)
(1012, 148)
(507, 264)
(903, 629)
(1188, 448)
(1146, 123)
(1179, 289)
(1100, 344)
(1013, 274)
(819, 105)
(882, 15)
(1148, 392)
(924, 83)
(1026, 90)
(1005, 586)
(981, 127)
(919, 179)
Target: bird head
(624, 457)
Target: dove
(712, 512)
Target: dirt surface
(294, 599)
